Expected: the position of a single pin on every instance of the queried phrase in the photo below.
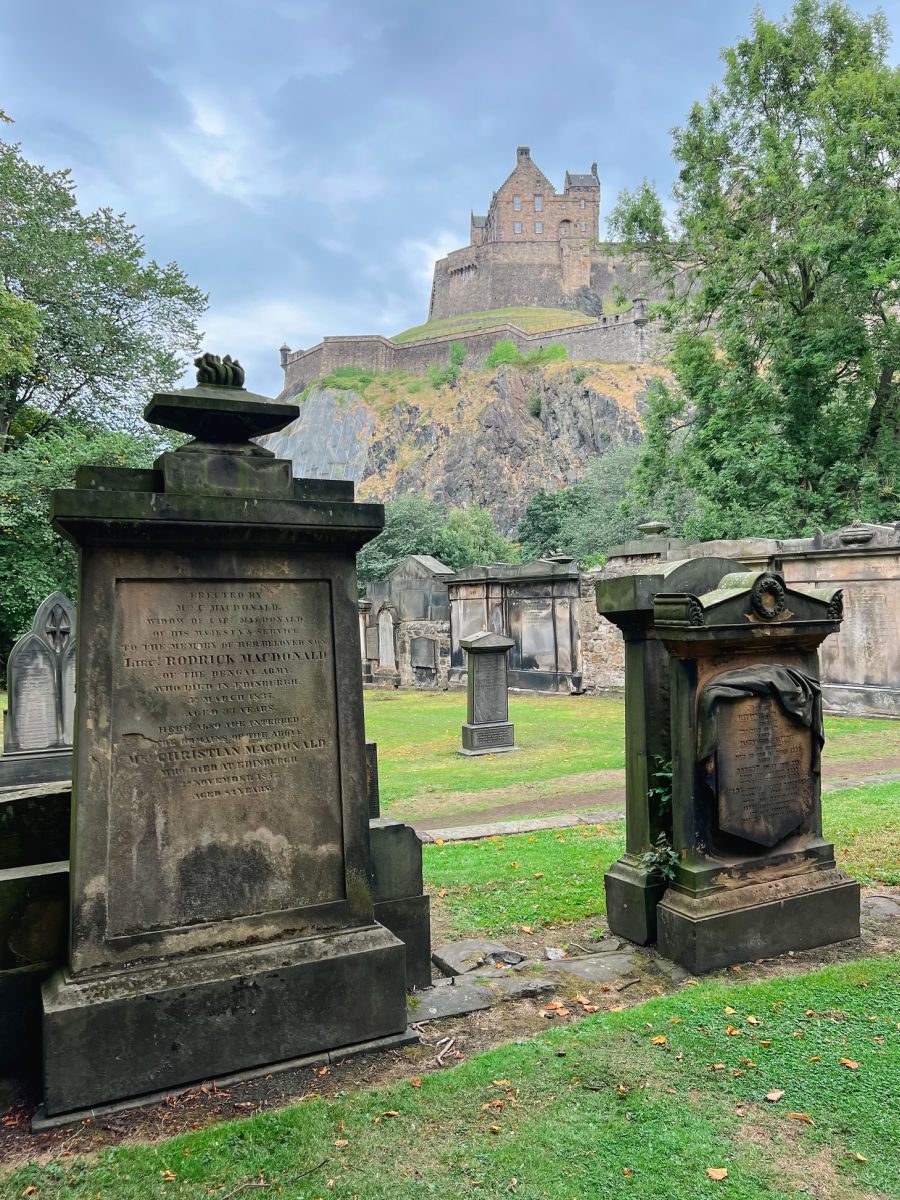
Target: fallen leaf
(526, 929)
(810, 1012)
(342, 1142)
(498, 1103)
(592, 1008)
(416, 1083)
(815, 1058)
(515, 866)
(390, 1113)
(775, 1095)
(564, 1012)
(731, 1031)
(751, 1020)
(494, 1128)
(169, 1176)
(849, 1064)
(765, 1043)
(659, 1040)
(504, 1083)
(856, 1157)
(627, 1171)
(582, 1000)
(539, 874)
(717, 1172)
(729, 1010)
(30, 1190)
(747, 1062)
(716, 1067)
(675, 1020)
(439, 841)
(442, 892)
(805, 1117)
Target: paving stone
(454, 1001)
(881, 908)
(471, 954)
(518, 987)
(600, 968)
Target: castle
(535, 247)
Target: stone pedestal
(754, 876)
(487, 730)
(632, 891)
(222, 908)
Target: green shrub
(534, 402)
(440, 376)
(507, 353)
(349, 379)
(504, 353)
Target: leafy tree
(114, 326)
(20, 326)
(540, 531)
(599, 514)
(34, 560)
(781, 268)
(411, 526)
(469, 537)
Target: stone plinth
(632, 890)
(754, 875)
(222, 910)
(487, 729)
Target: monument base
(760, 920)
(155, 1028)
(632, 896)
(488, 739)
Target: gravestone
(487, 729)
(632, 889)
(423, 653)
(222, 909)
(37, 732)
(754, 875)
(387, 657)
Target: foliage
(20, 327)
(441, 376)
(469, 537)
(782, 280)
(660, 792)
(586, 519)
(660, 860)
(349, 379)
(507, 353)
(114, 326)
(414, 525)
(535, 402)
(35, 560)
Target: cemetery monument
(487, 729)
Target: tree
(35, 560)
(469, 537)
(411, 526)
(20, 327)
(114, 326)
(540, 531)
(781, 269)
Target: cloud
(418, 255)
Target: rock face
(494, 437)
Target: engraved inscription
(764, 763)
(225, 797)
(492, 737)
(489, 681)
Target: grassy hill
(532, 320)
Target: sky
(306, 161)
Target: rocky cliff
(492, 437)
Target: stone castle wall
(624, 338)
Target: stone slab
(396, 860)
(600, 968)
(409, 920)
(517, 987)
(455, 1001)
(880, 908)
(174, 1023)
(471, 833)
(758, 921)
(487, 739)
(468, 954)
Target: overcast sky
(305, 161)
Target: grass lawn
(532, 320)
(641, 1103)
(497, 885)
(418, 735)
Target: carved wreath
(836, 607)
(220, 372)
(767, 597)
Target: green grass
(555, 877)
(507, 352)
(593, 1109)
(418, 735)
(532, 320)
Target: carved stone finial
(219, 372)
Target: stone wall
(418, 676)
(624, 338)
(602, 648)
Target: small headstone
(423, 653)
(37, 734)
(487, 729)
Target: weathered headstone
(754, 876)
(37, 732)
(222, 910)
(387, 656)
(632, 889)
(487, 729)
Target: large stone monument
(222, 905)
(754, 875)
(633, 889)
(37, 732)
(487, 729)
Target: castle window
(584, 226)
(517, 227)
(538, 227)
(538, 203)
(582, 204)
(517, 203)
